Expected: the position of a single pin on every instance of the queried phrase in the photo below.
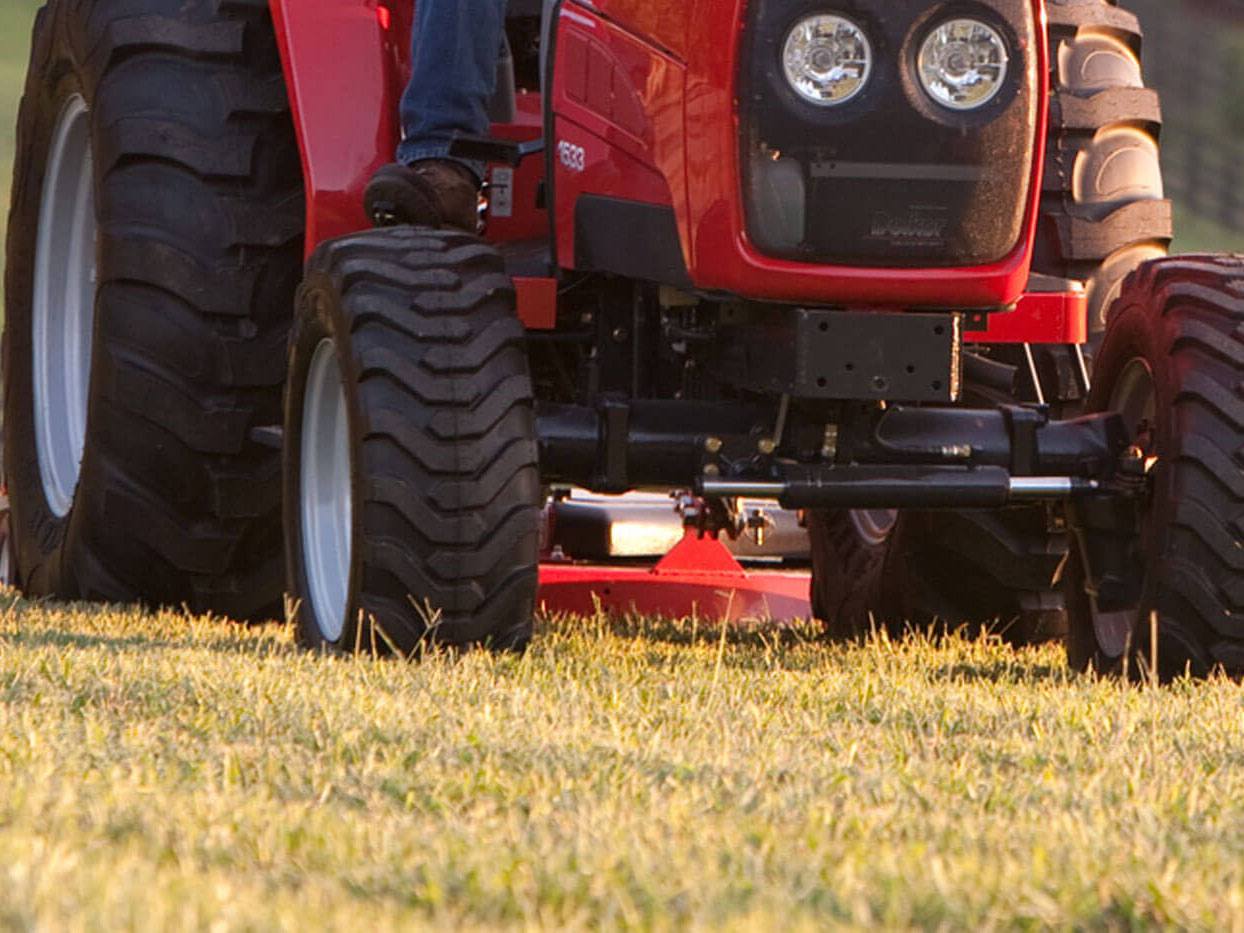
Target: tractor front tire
(154, 249)
(412, 488)
(1172, 362)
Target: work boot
(430, 193)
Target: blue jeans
(456, 45)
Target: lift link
(896, 458)
(878, 487)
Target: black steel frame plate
(849, 355)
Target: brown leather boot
(430, 193)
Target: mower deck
(699, 577)
(631, 553)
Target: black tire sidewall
(854, 583)
(319, 317)
(43, 543)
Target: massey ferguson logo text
(922, 228)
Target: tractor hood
(831, 152)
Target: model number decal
(573, 157)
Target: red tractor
(895, 265)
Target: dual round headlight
(828, 59)
(961, 65)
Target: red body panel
(619, 105)
(343, 88)
(711, 219)
(666, 133)
(346, 64)
(1039, 317)
(521, 218)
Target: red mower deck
(699, 577)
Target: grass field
(159, 771)
(169, 772)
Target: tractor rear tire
(1103, 210)
(154, 248)
(412, 487)
(1173, 362)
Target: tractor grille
(890, 178)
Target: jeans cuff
(411, 151)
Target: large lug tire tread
(1185, 316)
(200, 212)
(446, 476)
(1103, 209)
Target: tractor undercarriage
(807, 410)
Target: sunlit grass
(159, 770)
(162, 771)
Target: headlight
(963, 64)
(827, 59)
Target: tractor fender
(342, 63)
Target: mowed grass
(161, 771)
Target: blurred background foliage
(1194, 54)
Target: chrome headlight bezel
(963, 64)
(827, 59)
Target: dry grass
(158, 771)
(163, 771)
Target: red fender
(341, 61)
(346, 63)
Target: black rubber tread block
(1087, 238)
(853, 590)
(200, 209)
(977, 569)
(1137, 106)
(1140, 221)
(1009, 550)
(448, 461)
(1073, 15)
(1185, 315)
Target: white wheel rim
(874, 526)
(63, 307)
(327, 501)
(6, 550)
